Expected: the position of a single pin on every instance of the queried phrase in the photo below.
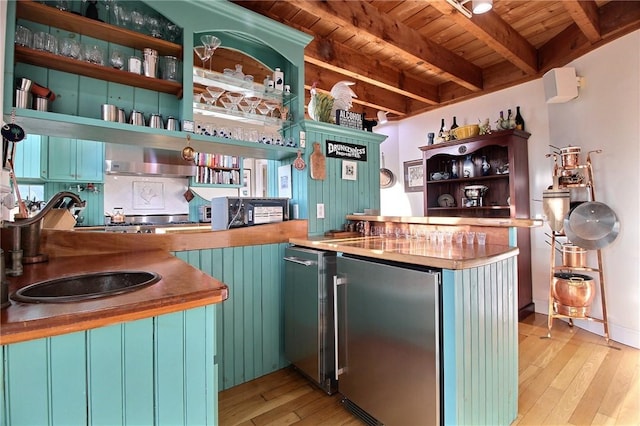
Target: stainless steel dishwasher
(390, 361)
(308, 314)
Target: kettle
(117, 216)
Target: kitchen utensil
(446, 200)
(22, 98)
(572, 293)
(155, 121)
(573, 256)
(150, 62)
(188, 153)
(318, 163)
(40, 103)
(122, 118)
(570, 156)
(43, 92)
(592, 225)
(299, 163)
(465, 132)
(387, 178)
(555, 205)
(109, 112)
(117, 216)
(172, 123)
(136, 118)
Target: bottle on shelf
(519, 119)
(278, 79)
(467, 167)
(454, 125)
(441, 131)
(268, 84)
(511, 121)
(501, 121)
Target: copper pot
(573, 256)
(570, 156)
(573, 293)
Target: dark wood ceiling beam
(497, 34)
(617, 18)
(377, 27)
(368, 94)
(585, 15)
(337, 58)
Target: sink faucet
(29, 230)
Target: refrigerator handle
(300, 261)
(336, 282)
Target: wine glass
(215, 92)
(235, 98)
(253, 102)
(211, 42)
(203, 53)
(271, 106)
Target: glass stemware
(211, 42)
(234, 98)
(203, 53)
(253, 102)
(215, 92)
(271, 106)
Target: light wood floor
(574, 378)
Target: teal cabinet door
(75, 160)
(90, 161)
(29, 159)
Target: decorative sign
(352, 120)
(346, 150)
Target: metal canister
(150, 63)
(109, 112)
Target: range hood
(134, 161)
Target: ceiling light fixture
(478, 6)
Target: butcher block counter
(414, 251)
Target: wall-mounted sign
(346, 150)
(352, 120)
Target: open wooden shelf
(74, 66)
(46, 15)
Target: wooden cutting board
(317, 164)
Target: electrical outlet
(303, 136)
(320, 211)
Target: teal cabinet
(30, 159)
(75, 160)
(159, 370)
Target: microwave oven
(234, 212)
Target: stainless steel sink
(77, 288)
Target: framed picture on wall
(349, 170)
(413, 176)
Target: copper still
(573, 294)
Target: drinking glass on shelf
(51, 43)
(482, 238)
(235, 98)
(39, 40)
(211, 42)
(24, 36)
(203, 53)
(153, 24)
(137, 20)
(93, 54)
(253, 102)
(70, 47)
(117, 59)
(215, 92)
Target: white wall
(604, 116)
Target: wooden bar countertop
(414, 251)
(78, 252)
(182, 287)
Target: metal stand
(588, 183)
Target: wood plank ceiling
(408, 57)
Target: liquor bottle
(454, 125)
(501, 123)
(519, 119)
(441, 128)
(511, 120)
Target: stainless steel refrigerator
(391, 369)
(308, 314)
